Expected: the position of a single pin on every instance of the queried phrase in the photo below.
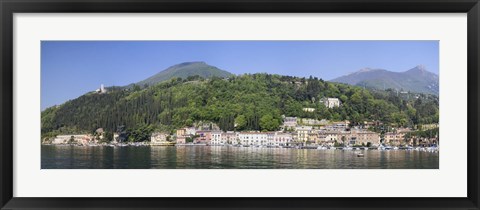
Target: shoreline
(388, 148)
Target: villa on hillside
(308, 109)
(330, 102)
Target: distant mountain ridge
(417, 79)
(184, 70)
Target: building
(426, 142)
(190, 131)
(73, 139)
(207, 126)
(308, 109)
(308, 121)
(327, 139)
(427, 126)
(270, 139)
(289, 122)
(229, 137)
(181, 140)
(313, 138)
(158, 138)
(252, 138)
(331, 136)
(101, 90)
(203, 137)
(217, 138)
(330, 102)
(302, 134)
(115, 138)
(360, 138)
(338, 126)
(282, 139)
(181, 132)
(396, 138)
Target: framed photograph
(239, 105)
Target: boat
(432, 149)
(360, 155)
(419, 149)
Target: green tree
(108, 136)
(240, 122)
(267, 122)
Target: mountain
(417, 79)
(184, 70)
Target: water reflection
(205, 157)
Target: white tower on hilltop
(102, 89)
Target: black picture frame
(10, 7)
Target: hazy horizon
(70, 69)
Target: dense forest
(244, 102)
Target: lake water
(228, 157)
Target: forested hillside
(184, 70)
(251, 102)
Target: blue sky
(71, 68)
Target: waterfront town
(295, 132)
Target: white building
(308, 121)
(330, 102)
(331, 137)
(338, 126)
(308, 109)
(115, 138)
(252, 138)
(190, 131)
(158, 139)
(217, 138)
(77, 138)
(270, 139)
(101, 90)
